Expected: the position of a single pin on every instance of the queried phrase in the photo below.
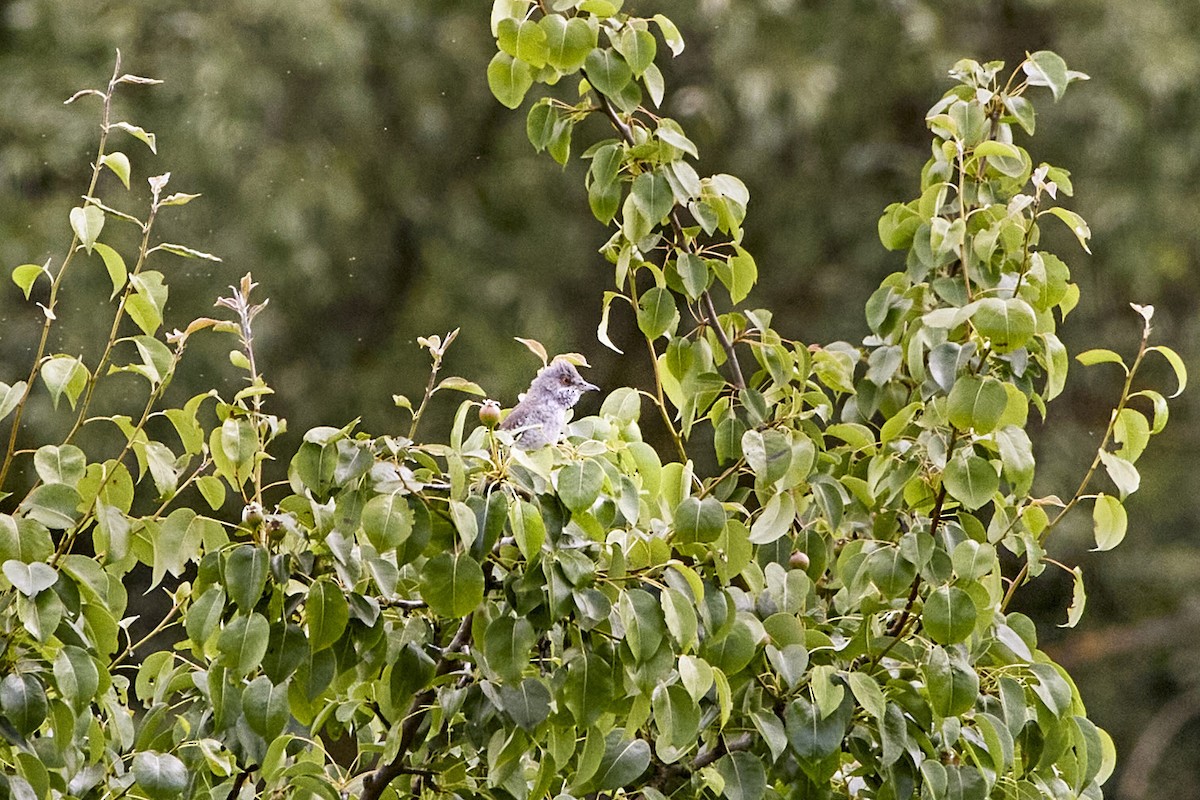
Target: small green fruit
(489, 413)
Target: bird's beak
(588, 387)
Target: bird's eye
(565, 380)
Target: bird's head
(562, 382)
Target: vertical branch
(708, 310)
(375, 782)
(56, 283)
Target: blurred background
(351, 157)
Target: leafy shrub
(824, 614)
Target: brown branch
(375, 782)
(897, 629)
(702, 760)
(678, 773)
(710, 312)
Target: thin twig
(709, 311)
(1087, 478)
(97, 166)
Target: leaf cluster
(826, 614)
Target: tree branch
(377, 781)
(709, 311)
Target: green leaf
(588, 688)
(246, 575)
(1176, 364)
(65, 464)
(1009, 324)
(890, 571)
(604, 200)
(949, 615)
(579, 485)
(387, 521)
(146, 307)
(775, 520)
(26, 275)
(953, 687)
(732, 652)
(1109, 522)
(528, 703)
(540, 124)
(507, 644)
(205, 615)
(160, 775)
(744, 775)
(157, 361)
(1045, 68)
(868, 694)
(972, 560)
(977, 403)
(87, 222)
(452, 584)
(670, 34)
(623, 763)
(119, 164)
(993, 148)
(1099, 356)
(789, 662)
(743, 274)
(693, 272)
(411, 674)
(54, 505)
(1132, 431)
(642, 617)
(607, 71)
(23, 702)
(638, 47)
(212, 489)
(971, 480)
(326, 613)
(30, 579)
(527, 526)
(509, 79)
(699, 520)
(142, 135)
(10, 397)
(1122, 473)
(1022, 111)
(185, 251)
(568, 41)
(1075, 222)
(1078, 599)
(652, 196)
(77, 676)
(1056, 364)
(243, 643)
(811, 735)
(676, 716)
(657, 314)
(265, 706)
(680, 616)
(64, 375)
(525, 40)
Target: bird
(540, 416)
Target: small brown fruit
(799, 559)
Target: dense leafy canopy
(824, 612)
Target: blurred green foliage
(378, 200)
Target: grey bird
(540, 417)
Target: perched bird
(541, 415)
